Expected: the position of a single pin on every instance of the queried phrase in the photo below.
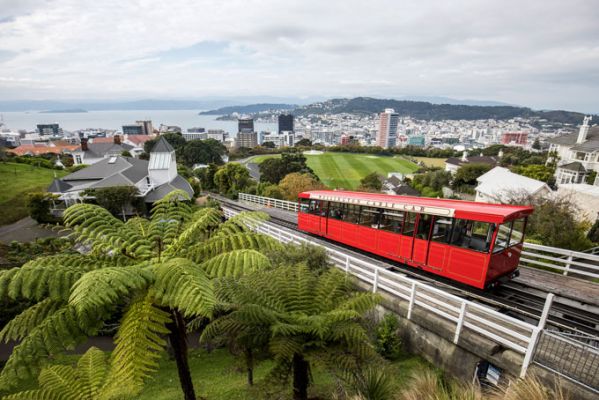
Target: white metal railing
(553, 259)
(510, 332)
(269, 202)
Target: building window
(580, 155)
(78, 159)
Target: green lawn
(219, 376)
(16, 181)
(345, 170)
(432, 162)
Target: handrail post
(412, 299)
(568, 265)
(458, 328)
(375, 284)
(534, 339)
(346, 264)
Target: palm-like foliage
(86, 382)
(157, 270)
(297, 314)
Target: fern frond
(92, 369)
(169, 215)
(235, 264)
(222, 244)
(59, 332)
(202, 223)
(22, 324)
(50, 276)
(61, 379)
(183, 285)
(139, 343)
(140, 225)
(243, 222)
(100, 288)
(40, 394)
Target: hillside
(429, 111)
(18, 180)
(249, 109)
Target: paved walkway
(25, 230)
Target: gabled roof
(570, 139)
(162, 146)
(179, 183)
(501, 182)
(99, 150)
(104, 168)
(573, 166)
(58, 186)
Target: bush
(38, 204)
(388, 343)
(314, 257)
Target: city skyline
(538, 54)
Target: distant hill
(249, 109)
(428, 111)
(64, 111)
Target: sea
(185, 119)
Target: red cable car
(478, 244)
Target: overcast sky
(542, 54)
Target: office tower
(247, 139)
(285, 123)
(133, 130)
(387, 135)
(48, 129)
(246, 124)
(146, 127)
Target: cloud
(539, 53)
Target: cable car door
(421, 238)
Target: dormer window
(148, 180)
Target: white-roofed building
(500, 185)
(585, 196)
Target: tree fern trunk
(177, 337)
(249, 360)
(300, 377)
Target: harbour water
(116, 119)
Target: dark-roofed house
(91, 152)
(452, 164)
(154, 179)
(578, 154)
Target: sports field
(345, 170)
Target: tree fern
(221, 244)
(139, 342)
(183, 285)
(28, 320)
(236, 263)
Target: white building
(500, 185)
(586, 198)
(578, 154)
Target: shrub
(388, 343)
(38, 204)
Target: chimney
(465, 156)
(500, 154)
(117, 139)
(584, 130)
(84, 144)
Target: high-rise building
(146, 127)
(48, 129)
(247, 139)
(285, 123)
(387, 135)
(133, 130)
(246, 125)
(518, 138)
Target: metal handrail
(513, 333)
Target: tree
(593, 234)
(115, 199)
(590, 179)
(206, 177)
(536, 144)
(273, 170)
(300, 315)
(371, 183)
(467, 174)
(38, 204)
(176, 140)
(295, 183)
(539, 172)
(126, 153)
(269, 145)
(157, 271)
(202, 152)
(272, 191)
(231, 178)
(304, 143)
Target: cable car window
(351, 213)
(424, 226)
(391, 221)
(336, 210)
(503, 236)
(314, 207)
(408, 228)
(517, 231)
(304, 205)
(369, 217)
(472, 235)
(442, 230)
